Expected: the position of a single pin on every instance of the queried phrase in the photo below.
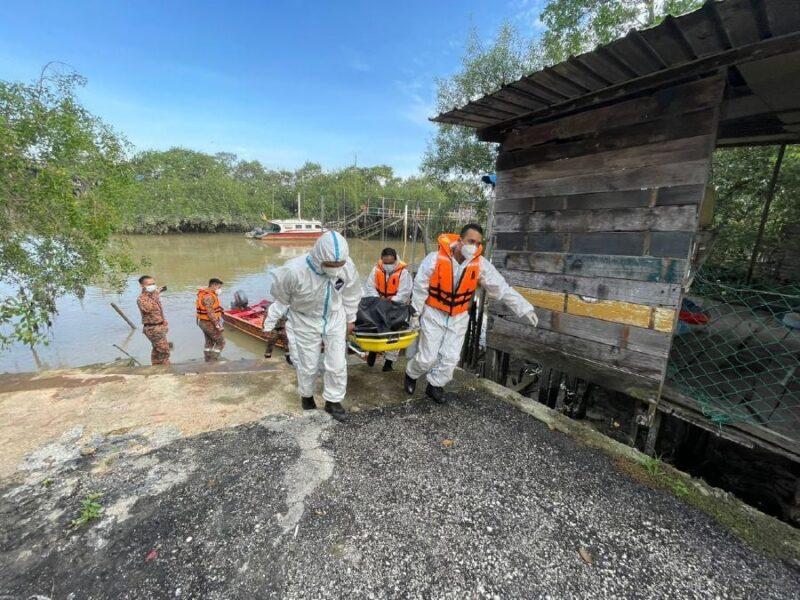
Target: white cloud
(526, 14)
(418, 101)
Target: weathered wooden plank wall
(595, 219)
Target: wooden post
(765, 212)
(414, 243)
(654, 417)
(122, 314)
(405, 229)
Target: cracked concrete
(312, 468)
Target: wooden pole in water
(416, 225)
(122, 314)
(133, 358)
(405, 229)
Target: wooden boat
(250, 319)
(292, 230)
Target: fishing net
(737, 353)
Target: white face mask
(150, 288)
(389, 268)
(218, 292)
(332, 272)
(469, 251)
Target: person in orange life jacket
(209, 319)
(443, 290)
(390, 279)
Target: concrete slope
(413, 500)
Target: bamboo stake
(122, 314)
(133, 358)
(765, 213)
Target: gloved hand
(531, 316)
(414, 322)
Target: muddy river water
(85, 330)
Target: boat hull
(250, 320)
(291, 237)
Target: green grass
(90, 510)
(653, 466)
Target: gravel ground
(473, 499)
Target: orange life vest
(445, 294)
(388, 286)
(202, 312)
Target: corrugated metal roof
(719, 34)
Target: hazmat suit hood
(330, 246)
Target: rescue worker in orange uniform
(443, 291)
(154, 325)
(209, 319)
(390, 279)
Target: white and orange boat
(289, 230)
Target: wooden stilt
(652, 435)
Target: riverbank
(153, 226)
(214, 484)
(87, 330)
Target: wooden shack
(602, 175)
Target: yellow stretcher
(384, 342)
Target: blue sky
(281, 82)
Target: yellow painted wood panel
(543, 298)
(611, 310)
(663, 319)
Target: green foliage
(455, 152)
(571, 27)
(741, 178)
(90, 510)
(182, 189)
(62, 172)
(652, 465)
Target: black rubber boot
(289, 360)
(336, 410)
(435, 393)
(410, 385)
(387, 366)
(308, 403)
(371, 359)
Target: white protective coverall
(402, 296)
(442, 336)
(320, 307)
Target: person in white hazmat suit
(390, 279)
(321, 290)
(443, 290)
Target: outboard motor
(239, 300)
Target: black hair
(389, 252)
(473, 226)
(143, 277)
(214, 281)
